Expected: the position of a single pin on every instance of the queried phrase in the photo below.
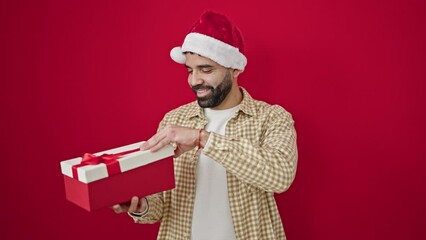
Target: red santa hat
(213, 36)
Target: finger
(160, 144)
(117, 208)
(133, 204)
(178, 152)
(153, 141)
(145, 146)
(157, 143)
(143, 205)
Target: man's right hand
(135, 205)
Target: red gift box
(115, 176)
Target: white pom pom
(177, 55)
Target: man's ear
(235, 73)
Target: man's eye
(206, 70)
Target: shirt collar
(247, 104)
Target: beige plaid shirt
(259, 153)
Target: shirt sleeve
(269, 164)
(155, 209)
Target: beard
(218, 94)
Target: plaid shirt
(259, 153)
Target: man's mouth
(203, 92)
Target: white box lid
(91, 173)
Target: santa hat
(213, 37)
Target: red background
(85, 76)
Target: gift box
(114, 176)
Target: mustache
(201, 87)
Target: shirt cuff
(138, 216)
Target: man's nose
(195, 78)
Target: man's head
(213, 54)
(213, 36)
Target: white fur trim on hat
(177, 55)
(216, 50)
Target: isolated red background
(85, 76)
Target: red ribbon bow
(110, 160)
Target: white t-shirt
(211, 219)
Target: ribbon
(110, 160)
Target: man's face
(210, 81)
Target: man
(232, 152)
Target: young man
(232, 152)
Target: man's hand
(184, 138)
(135, 205)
